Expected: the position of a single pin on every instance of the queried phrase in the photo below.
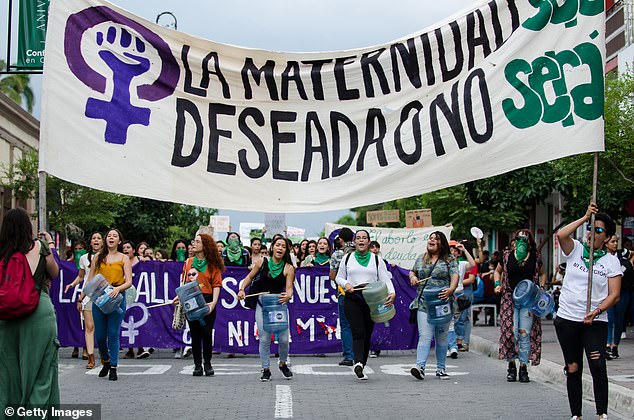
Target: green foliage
(22, 176)
(347, 220)
(16, 87)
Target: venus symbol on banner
(131, 326)
(123, 45)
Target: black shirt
(517, 272)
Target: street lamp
(175, 24)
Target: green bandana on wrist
(77, 254)
(181, 254)
(200, 265)
(362, 259)
(598, 253)
(320, 259)
(275, 268)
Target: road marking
(330, 370)
(149, 370)
(622, 378)
(227, 369)
(404, 370)
(283, 402)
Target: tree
(347, 220)
(16, 87)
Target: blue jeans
(522, 320)
(461, 329)
(108, 332)
(346, 332)
(426, 332)
(265, 341)
(616, 317)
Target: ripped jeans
(522, 320)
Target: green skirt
(28, 361)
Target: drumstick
(359, 288)
(160, 304)
(257, 294)
(422, 280)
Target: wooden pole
(41, 211)
(595, 180)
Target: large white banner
(138, 109)
(399, 246)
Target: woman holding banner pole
(276, 275)
(205, 267)
(358, 269)
(578, 329)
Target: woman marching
(234, 254)
(85, 306)
(206, 268)
(579, 330)
(321, 255)
(28, 344)
(116, 268)
(357, 270)
(435, 268)
(276, 275)
(520, 330)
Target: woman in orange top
(205, 267)
(116, 268)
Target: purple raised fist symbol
(119, 113)
(123, 47)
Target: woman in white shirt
(356, 270)
(578, 330)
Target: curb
(620, 399)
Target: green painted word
(552, 12)
(549, 74)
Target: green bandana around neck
(321, 259)
(234, 250)
(200, 265)
(275, 268)
(181, 255)
(77, 254)
(598, 253)
(362, 259)
(521, 249)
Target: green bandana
(521, 249)
(598, 253)
(181, 254)
(362, 259)
(320, 259)
(234, 250)
(200, 265)
(77, 256)
(275, 268)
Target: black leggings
(358, 315)
(574, 338)
(202, 334)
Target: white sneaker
(358, 371)
(624, 336)
(453, 353)
(178, 354)
(187, 352)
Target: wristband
(497, 283)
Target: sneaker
(615, 352)
(209, 371)
(346, 362)
(285, 371)
(358, 371)
(187, 352)
(418, 373)
(453, 353)
(375, 353)
(113, 373)
(441, 374)
(465, 347)
(198, 370)
(608, 354)
(178, 353)
(603, 417)
(144, 355)
(104, 369)
(266, 375)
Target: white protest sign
(399, 246)
(246, 229)
(275, 224)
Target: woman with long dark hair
(28, 345)
(577, 329)
(179, 250)
(85, 306)
(115, 266)
(234, 254)
(520, 330)
(356, 270)
(435, 268)
(276, 275)
(205, 267)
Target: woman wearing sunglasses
(205, 267)
(520, 331)
(577, 329)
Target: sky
(288, 25)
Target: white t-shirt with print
(462, 271)
(572, 301)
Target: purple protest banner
(313, 315)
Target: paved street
(161, 387)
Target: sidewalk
(620, 371)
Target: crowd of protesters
(463, 279)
